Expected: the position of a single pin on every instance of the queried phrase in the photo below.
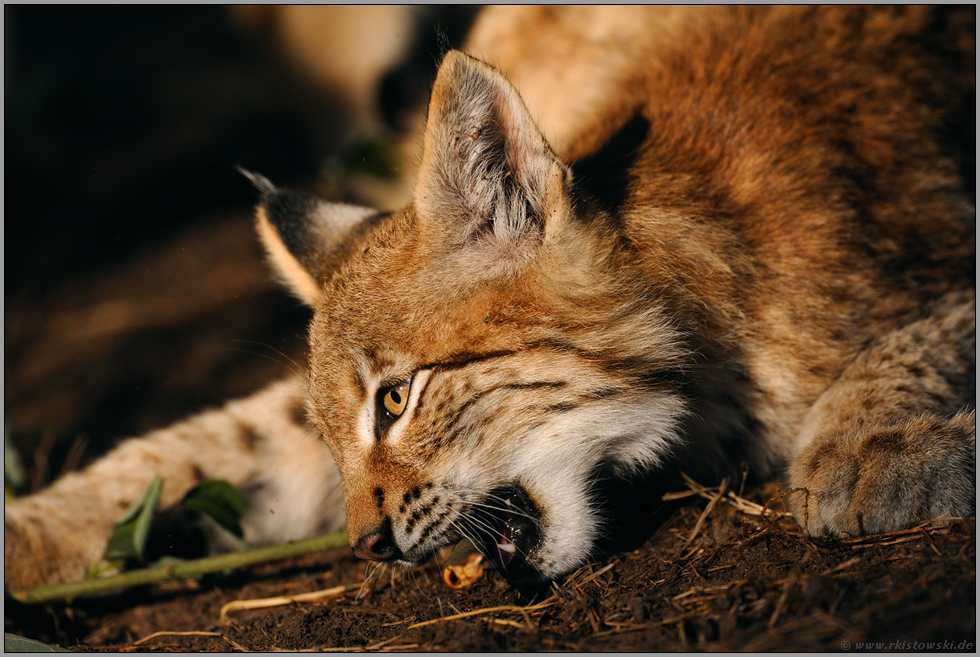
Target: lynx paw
(887, 479)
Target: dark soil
(135, 294)
(743, 583)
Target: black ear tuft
(261, 183)
(302, 235)
(291, 213)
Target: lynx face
(498, 441)
(477, 358)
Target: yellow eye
(396, 398)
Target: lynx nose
(379, 545)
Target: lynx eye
(396, 398)
(391, 402)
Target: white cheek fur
(368, 415)
(555, 464)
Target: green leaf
(129, 538)
(220, 501)
(14, 643)
(102, 567)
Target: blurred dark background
(134, 289)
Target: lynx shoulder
(670, 240)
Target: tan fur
(576, 67)
(327, 43)
(255, 443)
(893, 426)
(674, 239)
(290, 271)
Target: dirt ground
(135, 294)
(742, 583)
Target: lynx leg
(893, 441)
(260, 444)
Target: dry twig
(236, 646)
(488, 610)
(596, 574)
(278, 601)
(181, 570)
(704, 515)
(740, 503)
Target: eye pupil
(396, 398)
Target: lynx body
(642, 239)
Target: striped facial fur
(500, 447)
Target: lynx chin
(643, 240)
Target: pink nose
(379, 545)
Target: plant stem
(181, 570)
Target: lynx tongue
(515, 529)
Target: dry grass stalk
(644, 626)
(740, 503)
(236, 646)
(509, 623)
(596, 574)
(844, 566)
(704, 514)
(383, 646)
(928, 528)
(488, 610)
(711, 591)
(781, 603)
(278, 601)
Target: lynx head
(479, 356)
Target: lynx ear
(303, 236)
(487, 175)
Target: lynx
(643, 240)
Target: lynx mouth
(510, 526)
